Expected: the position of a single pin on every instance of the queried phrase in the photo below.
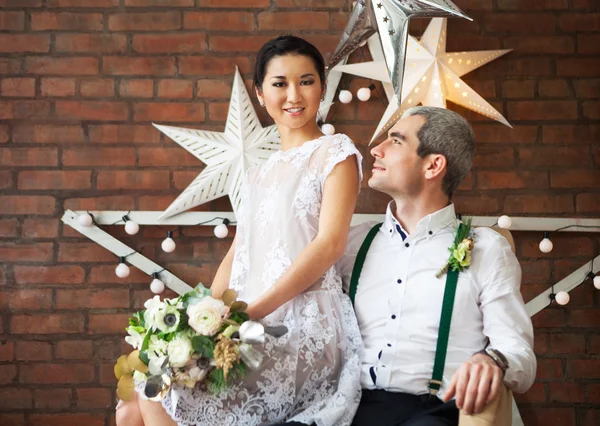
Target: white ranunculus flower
(156, 346)
(135, 339)
(153, 306)
(179, 350)
(206, 316)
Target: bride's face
(291, 91)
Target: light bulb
(221, 231)
(363, 94)
(122, 270)
(156, 286)
(131, 227)
(504, 222)
(597, 282)
(562, 298)
(546, 245)
(328, 129)
(345, 96)
(85, 220)
(168, 245)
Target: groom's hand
(475, 384)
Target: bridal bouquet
(191, 339)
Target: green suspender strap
(360, 260)
(444, 330)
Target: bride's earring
(261, 102)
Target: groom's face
(398, 170)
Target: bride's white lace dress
(312, 374)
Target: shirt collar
(427, 226)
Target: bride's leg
(154, 414)
(128, 413)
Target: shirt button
(389, 345)
(399, 281)
(406, 245)
(391, 230)
(430, 232)
(393, 316)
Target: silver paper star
(227, 155)
(390, 19)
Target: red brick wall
(80, 82)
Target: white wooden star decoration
(431, 75)
(243, 144)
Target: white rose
(179, 351)
(206, 316)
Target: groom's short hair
(449, 134)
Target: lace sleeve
(335, 150)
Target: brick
(536, 394)
(60, 274)
(93, 43)
(66, 419)
(182, 179)
(54, 179)
(13, 419)
(583, 368)
(591, 109)
(491, 156)
(47, 324)
(175, 89)
(40, 228)
(587, 88)
(159, 3)
(27, 204)
(218, 21)
(578, 67)
(588, 44)
(256, 4)
(518, 88)
(58, 87)
(567, 343)
(7, 351)
(333, 4)
(549, 368)
(61, 66)
(108, 323)
(17, 87)
(84, 253)
(9, 227)
(162, 157)
(511, 180)
(73, 349)
(155, 202)
(48, 133)
(6, 179)
(132, 180)
(92, 110)
(212, 66)
(89, 398)
(575, 179)
(33, 351)
(112, 202)
(52, 398)
(517, 204)
(119, 65)
(4, 133)
(494, 133)
(9, 66)
(548, 416)
(130, 134)
(18, 43)
(93, 157)
(585, 4)
(171, 43)
(16, 399)
(217, 111)
(555, 45)
(589, 417)
(30, 299)
(587, 203)
(549, 318)
(79, 4)
(477, 204)
(169, 112)
(137, 88)
(297, 20)
(8, 373)
(554, 156)
(542, 110)
(66, 21)
(157, 21)
(554, 89)
(570, 134)
(12, 21)
(537, 5)
(237, 43)
(92, 299)
(579, 22)
(24, 110)
(519, 23)
(28, 157)
(11, 252)
(97, 88)
(584, 318)
(213, 89)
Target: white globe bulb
(221, 231)
(85, 219)
(131, 227)
(504, 222)
(157, 286)
(168, 245)
(597, 282)
(364, 94)
(562, 298)
(122, 271)
(345, 96)
(328, 129)
(546, 245)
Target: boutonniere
(460, 250)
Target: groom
(413, 372)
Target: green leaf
(144, 357)
(146, 342)
(203, 345)
(239, 317)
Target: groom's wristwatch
(498, 358)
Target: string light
(504, 222)
(168, 245)
(345, 96)
(131, 227)
(122, 270)
(562, 298)
(85, 219)
(546, 245)
(221, 230)
(328, 129)
(156, 286)
(364, 93)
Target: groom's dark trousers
(381, 408)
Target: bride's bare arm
(337, 206)
(221, 281)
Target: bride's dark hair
(286, 45)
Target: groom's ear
(435, 166)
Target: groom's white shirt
(398, 304)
